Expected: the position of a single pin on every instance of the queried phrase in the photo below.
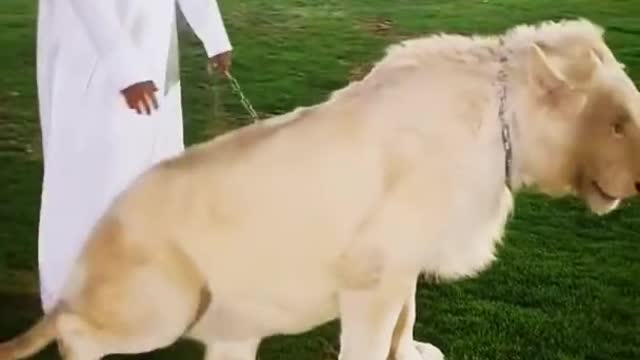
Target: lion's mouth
(602, 193)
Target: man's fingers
(223, 70)
(141, 97)
(154, 101)
(149, 101)
(225, 64)
(221, 63)
(137, 108)
(145, 104)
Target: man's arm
(113, 43)
(204, 18)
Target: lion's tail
(33, 340)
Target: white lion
(333, 211)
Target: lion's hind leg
(128, 297)
(145, 312)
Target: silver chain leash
(235, 86)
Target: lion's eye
(617, 129)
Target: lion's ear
(542, 73)
(570, 70)
(584, 70)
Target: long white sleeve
(204, 18)
(113, 43)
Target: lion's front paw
(428, 351)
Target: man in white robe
(110, 107)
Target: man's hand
(141, 96)
(221, 62)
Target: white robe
(93, 144)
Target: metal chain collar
(502, 110)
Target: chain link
(235, 86)
(502, 109)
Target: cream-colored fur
(333, 211)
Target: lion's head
(579, 124)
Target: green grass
(567, 283)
